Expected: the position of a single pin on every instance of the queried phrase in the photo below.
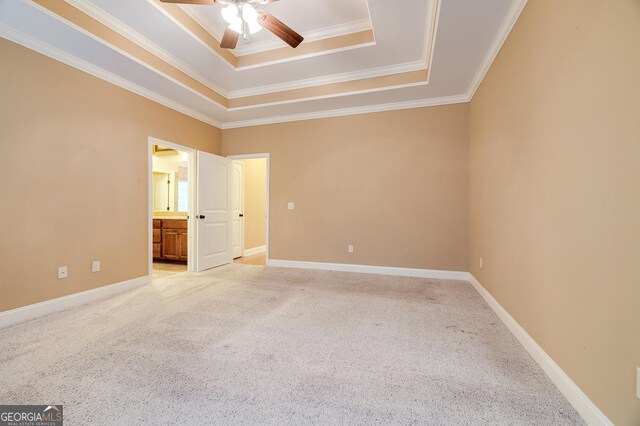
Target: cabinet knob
(201, 216)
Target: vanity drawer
(157, 235)
(174, 224)
(157, 224)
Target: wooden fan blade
(279, 29)
(229, 39)
(189, 1)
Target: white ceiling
(468, 35)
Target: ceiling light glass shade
(230, 13)
(236, 25)
(250, 16)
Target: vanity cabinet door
(183, 244)
(171, 244)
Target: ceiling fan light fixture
(236, 25)
(250, 16)
(243, 19)
(230, 14)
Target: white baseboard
(255, 250)
(581, 402)
(368, 269)
(28, 312)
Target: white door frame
(191, 231)
(268, 213)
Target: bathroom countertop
(170, 217)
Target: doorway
(250, 209)
(171, 203)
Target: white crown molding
(328, 79)
(332, 95)
(510, 19)
(590, 413)
(75, 62)
(305, 56)
(29, 312)
(370, 269)
(119, 27)
(431, 33)
(254, 250)
(421, 103)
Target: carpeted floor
(244, 344)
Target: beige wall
(255, 202)
(555, 190)
(74, 161)
(393, 184)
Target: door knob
(201, 216)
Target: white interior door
(213, 211)
(237, 209)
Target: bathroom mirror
(170, 181)
(162, 191)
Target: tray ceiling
(358, 55)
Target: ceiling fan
(244, 19)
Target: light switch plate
(638, 382)
(62, 272)
(350, 248)
(291, 205)
(95, 266)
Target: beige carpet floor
(253, 345)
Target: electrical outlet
(95, 266)
(350, 248)
(62, 272)
(291, 205)
(480, 263)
